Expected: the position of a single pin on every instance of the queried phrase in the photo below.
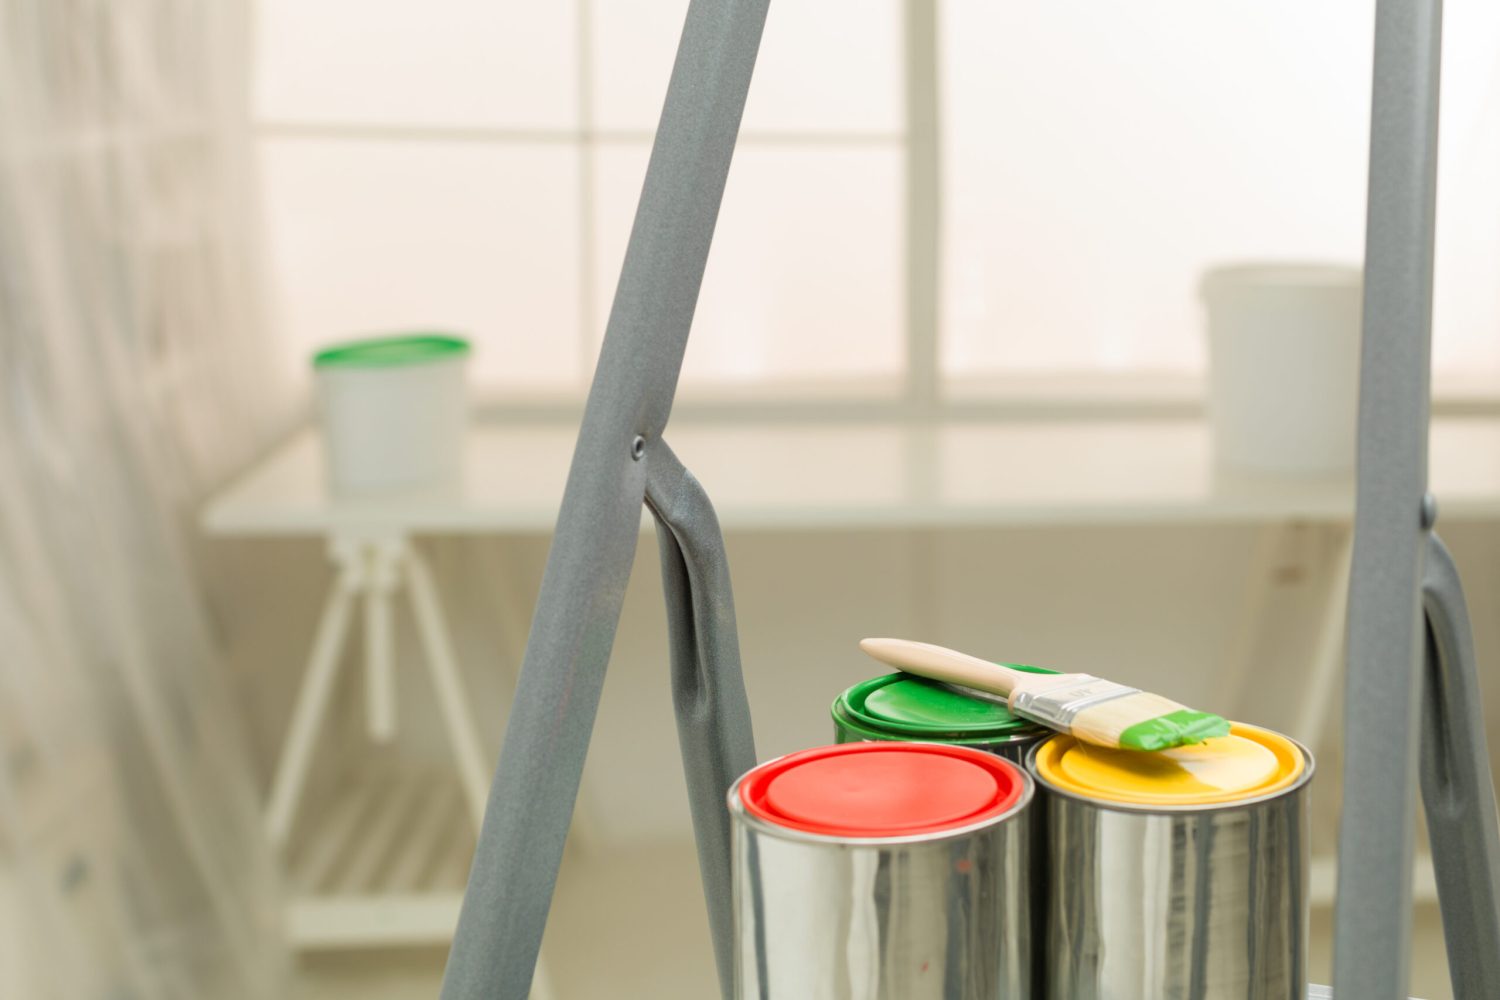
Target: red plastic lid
(881, 789)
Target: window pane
(373, 236)
(805, 280)
(439, 62)
(1466, 294)
(824, 65)
(1098, 156)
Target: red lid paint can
(883, 871)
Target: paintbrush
(1090, 708)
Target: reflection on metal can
(1176, 874)
(882, 871)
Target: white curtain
(134, 373)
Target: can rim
(1279, 275)
(852, 702)
(1027, 792)
(396, 350)
(849, 722)
(1309, 765)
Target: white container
(1283, 348)
(394, 410)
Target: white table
(773, 476)
(781, 476)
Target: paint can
(1176, 874)
(394, 412)
(1283, 371)
(910, 708)
(882, 871)
(903, 706)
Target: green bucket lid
(392, 351)
(915, 707)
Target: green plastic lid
(917, 707)
(389, 352)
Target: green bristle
(1183, 727)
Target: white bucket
(1283, 346)
(394, 410)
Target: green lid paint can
(394, 409)
(905, 707)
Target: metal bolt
(1429, 511)
(638, 448)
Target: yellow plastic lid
(1248, 763)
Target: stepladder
(1411, 674)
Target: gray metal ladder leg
(1372, 925)
(1458, 790)
(708, 689)
(578, 609)
(1411, 677)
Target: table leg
(382, 567)
(1328, 658)
(311, 706)
(1250, 623)
(453, 700)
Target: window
(473, 165)
(1099, 156)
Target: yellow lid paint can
(1248, 763)
(1176, 873)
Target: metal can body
(1176, 903)
(931, 916)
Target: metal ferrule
(1057, 706)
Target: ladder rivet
(638, 448)
(1429, 511)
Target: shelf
(381, 861)
(863, 475)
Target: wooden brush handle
(947, 665)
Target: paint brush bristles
(1115, 715)
(1090, 708)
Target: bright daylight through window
(474, 166)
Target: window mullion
(923, 206)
